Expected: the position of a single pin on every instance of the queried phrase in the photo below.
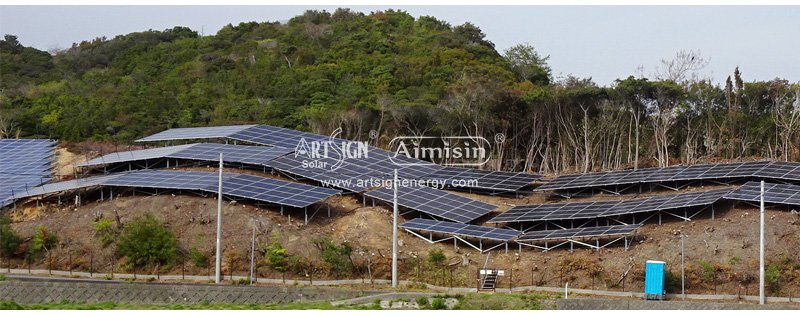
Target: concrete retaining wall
(26, 292)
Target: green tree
(277, 256)
(43, 241)
(146, 242)
(9, 240)
(336, 256)
(106, 231)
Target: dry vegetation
(721, 254)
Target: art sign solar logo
(448, 151)
(330, 154)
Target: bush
(146, 241)
(337, 257)
(438, 304)
(106, 232)
(277, 256)
(422, 301)
(436, 256)
(9, 240)
(772, 276)
(43, 241)
(198, 258)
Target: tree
(9, 240)
(337, 257)
(147, 242)
(42, 242)
(526, 62)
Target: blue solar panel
(257, 188)
(24, 164)
(435, 202)
(244, 154)
(591, 210)
(602, 231)
(468, 230)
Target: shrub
(106, 232)
(146, 241)
(438, 304)
(708, 270)
(772, 275)
(422, 301)
(9, 240)
(277, 256)
(337, 257)
(436, 256)
(198, 258)
(43, 241)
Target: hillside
(394, 74)
(721, 254)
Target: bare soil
(721, 254)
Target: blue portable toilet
(654, 275)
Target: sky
(601, 42)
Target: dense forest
(389, 72)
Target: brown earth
(721, 254)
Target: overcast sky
(604, 43)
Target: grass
(470, 301)
(499, 301)
(67, 305)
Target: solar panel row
(460, 229)
(601, 209)
(599, 231)
(435, 202)
(764, 169)
(24, 163)
(268, 190)
(773, 193)
(378, 162)
(483, 179)
(245, 154)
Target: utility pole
(394, 232)
(761, 251)
(219, 221)
(683, 278)
(252, 251)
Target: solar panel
(613, 230)
(484, 179)
(245, 154)
(763, 169)
(196, 133)
(435, 202)
(276, 136)
(24, 164)
(773, 193)
(590, 210)
(268, 190)
(136, 155)
(476, 231)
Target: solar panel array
(764, 169)
(245, 154)
(460, 229)
(377, 164)
(196, 133)
(773, 193)
(599, 231)
(268, 190)
(600, 209)
(24, 164)
(435, 202)
(488, 180)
